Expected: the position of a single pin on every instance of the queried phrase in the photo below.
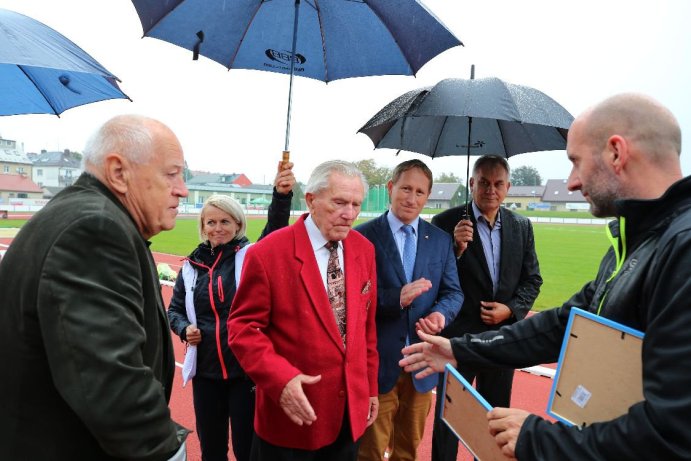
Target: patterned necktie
(335, 283)
(408, 252)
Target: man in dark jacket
(499, 275)
(625, 155)
(84, 343)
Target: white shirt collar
(316, 238)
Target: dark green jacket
(87, 361)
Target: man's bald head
(638, 118)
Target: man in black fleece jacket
(625, 155)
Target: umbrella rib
(242, 37)
(502, 137)
(436, 144)
(407, 60)
(158, 21)
(39, 90)
(323, 36)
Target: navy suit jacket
(435, 261)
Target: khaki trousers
(400, 423)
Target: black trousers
(216, 402)
(494, 386)
(343, 449)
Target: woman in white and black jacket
(198, 313)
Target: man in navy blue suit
(417, 288)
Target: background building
(12, 158)
(446, 195)
(14, 187)
(560, 198)
(53, 171)
(524, 197)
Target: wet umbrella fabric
(471, 117)
(42, 72)
(320, 39)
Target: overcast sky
(234, 121)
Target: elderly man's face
(335, 208)
(155, 188)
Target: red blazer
(281, 324)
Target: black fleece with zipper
(644, 282)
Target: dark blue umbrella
(42, 72)
(321, 39)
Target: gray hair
(319, 179)
(228, 205)
(491, 161)
(128, 135)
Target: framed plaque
(599, 374)
(464, 410)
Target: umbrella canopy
(321, 39)
(335, 38)
(458, 116)
(42, 72)
(463, 117)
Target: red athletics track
(530, 392)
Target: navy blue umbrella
(42, 72)
(321, 39)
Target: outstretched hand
(294, 402)
(434, 353)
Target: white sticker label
(581, 396)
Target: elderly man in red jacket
(302, 326)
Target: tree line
(380, 175)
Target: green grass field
(568, 254)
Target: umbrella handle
(286, 157)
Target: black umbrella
(458, 116)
